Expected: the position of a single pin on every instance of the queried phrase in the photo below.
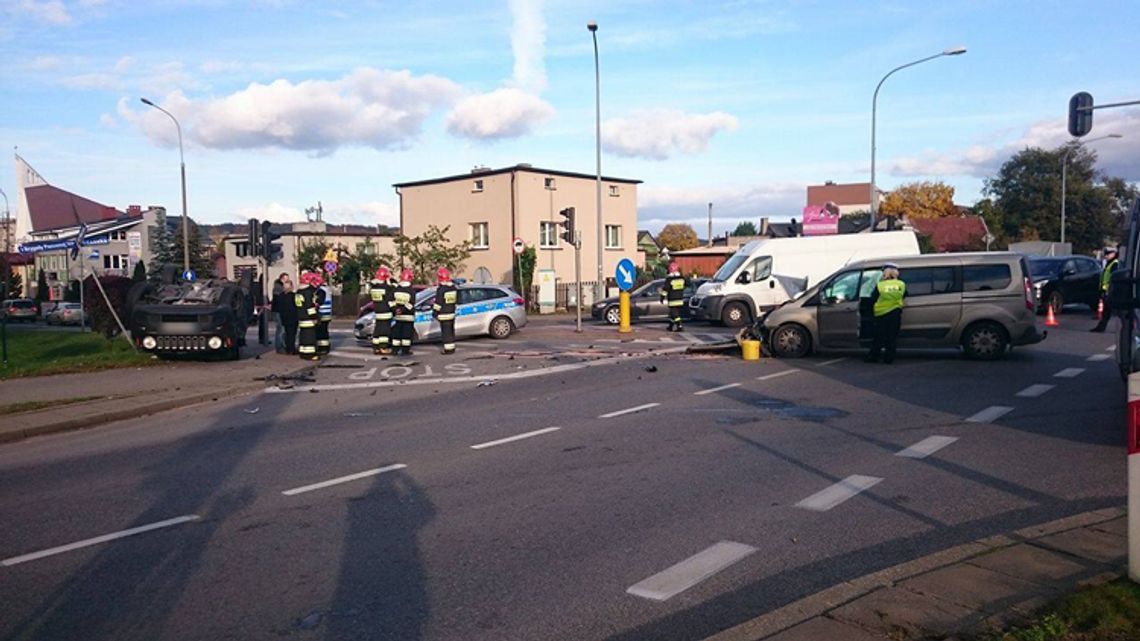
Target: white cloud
(503, 113)
(366, 213)
(658, 206)
(104, 81)
(219, 66)
(52, 11)
(107, 120)
(528, 44)
(659, 133)
(368, 107)
(124, 64)
(47, 63)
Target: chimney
(763, 226)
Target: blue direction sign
(189, 275)
(94, 254)
(625, 274)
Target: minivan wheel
(734, 315)
(790, 341)
(1056, 301)
(612, 315)
(501, 327)
(985, 341)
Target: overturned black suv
(204, 317)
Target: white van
(765, 273)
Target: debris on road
(651, 368)
(340, 366)
(253, 411)
(487, 383)
(358, 414)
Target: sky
(737, 103)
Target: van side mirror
(743, 278)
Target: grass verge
(41, 353)
(1108, 612)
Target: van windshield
(729, 268)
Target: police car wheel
(790, 341)
(501, 327)
(612, 315)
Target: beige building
(492, 207)
(349, 238)
(850, 197)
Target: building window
(478, 186)
(548, 235)
(115, 261)
(548, 183)
(117, 235)
(366, 249)
(241, 250)
(479, 238)
(614, 190)
(613, 236)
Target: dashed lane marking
(927, 446)
(990, 414)
(1070, 372)
(1110, 348)
(837, 493)
(630, 410)
(99, 539)
(343, 479)
(1095, 358)
(768, 377)
(1033, 391)
(517, 437)
(684, 575)
(832, 361)
(713, 390)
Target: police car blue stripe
(471, 308)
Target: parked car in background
(644, 303)
(19, 309)
(1061, 280)
(492, 310)
(65, 314)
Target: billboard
(821, 220)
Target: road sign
(189, 275)
(330, 266)
(518, 245)
(94, 254)
(624, 274)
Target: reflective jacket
(1106, 275)
(674, 291)
(306, 301)
(324, 303)
(404, 302)
(889, 297)
(381, 293)
(446, 296)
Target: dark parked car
(1062, 280)
(19, 309)
(644, 303)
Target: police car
(483, 310)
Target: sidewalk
(971, 589)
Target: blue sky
(738, 103)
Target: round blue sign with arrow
(189, 275)
(625, 274)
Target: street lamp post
(182, 162)
(954, 51)
(1065, 174)
(593, 27)
(7, 244)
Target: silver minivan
(981, 302)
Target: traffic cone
(1050, 318)
(1099, 309)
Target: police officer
(306, 301)
(673, 294)
(404, 310)
(887, 304)
(381, 289)
(324, 313)
(446, 296)
(1110, 265)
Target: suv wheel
(1056, 301)
(790, 341)
(985, 341)
(734, 315)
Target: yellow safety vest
(891, 294)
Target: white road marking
(99, 539)
(1099, 357)
(1110, 348)
(1033, 391)
(689, 337)
(630, 410)
(832, 361)
(713, 390)
(990, 414)
(927, 446)
(517, 437)
(828, 498)
(359, 356)
(768, 377)
(684, 575)
(1070, 372)
(343, 479)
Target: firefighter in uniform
(306, 301)
(887, 303)
(673, 294)
(404, 311)
(446, 296)
(381, 289)
(324, 314)
(1110, 264)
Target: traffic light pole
(578, 278)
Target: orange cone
(1100, 309)
(1050, 318)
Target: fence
(563, 295)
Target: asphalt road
(667, 504)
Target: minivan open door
(1124, 297)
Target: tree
(429, 251)
(356, 267)
(139, 275)
(199, 257)
(42, 292)
(162, 246)
(678, 237)
(920, 200)
(525, 275)
(116, 288)
(745, 228)
(310, 254)
(14, 286)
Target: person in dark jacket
(305, 299)
(404, 311)
(284, 308)
(673, 295)
(446, 297)
(1111, 263)
(887, 302)
(380, 290)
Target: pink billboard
(821, 220)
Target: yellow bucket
(751, 350)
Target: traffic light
(1080, 114)
(254, 238)
(567, 225)
(270, 250)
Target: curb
(822, 602)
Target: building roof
(475, 175)
(51, 207)
(952, 234)
(715, 250)
(840, 194)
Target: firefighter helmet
(442, 275)
(406, 275)
(382, 273)
(674, 268)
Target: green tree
(527, 261)
(15, 283)
(162, 246)
(199, 257)
(678, 237)
(745, 228)
(356, 267)
(310, 254)
(42, 292)
(139, 275)
(429, 251)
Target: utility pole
(710, 226)
(578, 278)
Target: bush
(102, 320)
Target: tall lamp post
(1065, 174)
(593, 27)
(7, 245)
(182, 161)
(954, 51)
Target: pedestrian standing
(381, 290)
(285, 312)
(1110, 264)
(305, 301)
(404, 311)
(324, 314)
(279, 286)
(673, 295)
(446, 298)
(887, 305)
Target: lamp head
(146, 102)
(592, 26)
(954, 51)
